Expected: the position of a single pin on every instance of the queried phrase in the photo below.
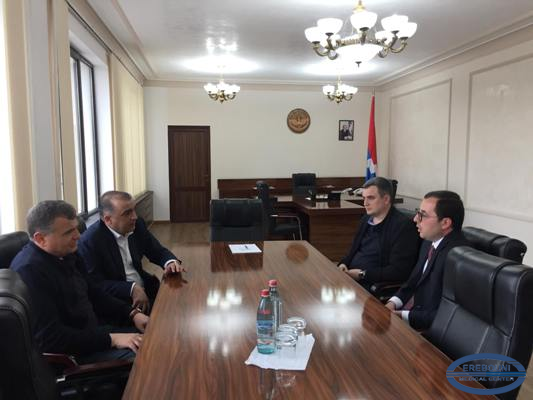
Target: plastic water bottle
(276, 299)
(265, 324)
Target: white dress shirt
(131, 273)
(397, 301)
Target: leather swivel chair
(408, 213)
(10, 245)
(485, 308)
(82, 226)
(304, 184)
(291, 225)
(236, 219)
(495, 244)
(26, 374)
(394, 184)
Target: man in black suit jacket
(69, 308)
(386, 245)
(113, 249)
(439, 222)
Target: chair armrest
(103, 367)
(385, 290)
(291, 216)
(64, 360)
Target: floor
(174, 236)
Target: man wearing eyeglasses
(439, 221)
(386, 245)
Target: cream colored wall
(250, 137)
(484, 129)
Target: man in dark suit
(439, 221)
(386, 245)
(69, 308)
(113, 249)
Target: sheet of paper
(244, 248)
(296, 362)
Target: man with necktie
(439, 221)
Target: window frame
(78, 58)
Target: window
(7, 211)
(86, 146)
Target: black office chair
(10, 245)
(237, 220)
(292, 224)
(394, 184)
(304, 184)
(26, 374)
(82, 226)
(495, 244)
(485, 308)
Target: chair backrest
(485, 308)
(408, 213)
(237, 219)
(10, 245)
(303, 184)
(495, 244)
(23, 372)
(394, 184)
(82, 226)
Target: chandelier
(339, 93)
(362, 44)
(221, 91)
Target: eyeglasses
(420, 215)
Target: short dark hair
(106, 200)
(41, 216)
(383, 184)
(449, 205)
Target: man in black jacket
(386, 246)
(113, 249)
(69, 308)
(439, 221)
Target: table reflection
(223, 260)
(376, 319)
(297, 253)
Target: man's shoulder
(94, 232)
(29, 261)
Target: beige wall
(250, 137)
(477, 117)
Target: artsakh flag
(372, 153)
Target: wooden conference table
(202, 329)
(331, 225)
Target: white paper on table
(274, 361)
(244, 248)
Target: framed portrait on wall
(346, 129)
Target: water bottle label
(265, 325)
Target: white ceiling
(163, 36)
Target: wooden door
(189, 173)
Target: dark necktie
(411, 302)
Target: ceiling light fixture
(362, 45)
(339, 93)
(221, 91)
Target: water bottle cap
(265, 293)
(272, 282)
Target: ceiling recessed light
(226, 64)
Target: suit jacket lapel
(431, 263)
(118, 264)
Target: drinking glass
(299, 323)
(288, 328)
(286, 344)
